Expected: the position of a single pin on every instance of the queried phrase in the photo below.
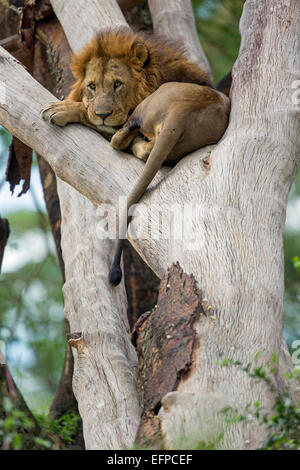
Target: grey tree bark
(233, 245)
(105, 362)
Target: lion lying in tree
(115, 75)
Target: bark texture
(105, 363)
(4, 234)
(232, 241)
(165, 340)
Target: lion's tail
(165, 142)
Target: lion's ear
(140, 53)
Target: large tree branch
(175, 20)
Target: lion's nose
(104, 115)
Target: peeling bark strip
(20, 155)
(19, 165)
(4, 234)
(165, 344)
(33, 10)
(10, 43)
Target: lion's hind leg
(141, 148)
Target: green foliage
(217, 23)
(17, 430)
(31, 314)
(66, 427)
(282, 423)
(296, 262)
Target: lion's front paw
(117, 140)
(56, 113)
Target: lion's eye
(92, 86)
(117, 84)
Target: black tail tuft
(115, 275)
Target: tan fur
(140, 63)
(177, 119)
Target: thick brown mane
(115, 72)
(165, 62)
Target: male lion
(176, 119)
(114, 73)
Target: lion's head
(118, 69)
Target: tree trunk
(111, 366)
(233, 248)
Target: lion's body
(198, 113)
(176, 119)
(138, 63)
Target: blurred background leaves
(31, 304)
(217, 24)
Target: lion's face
(108, 91)
(110, 82)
